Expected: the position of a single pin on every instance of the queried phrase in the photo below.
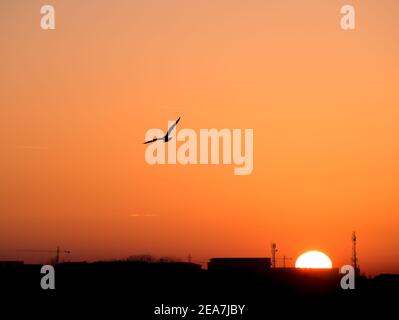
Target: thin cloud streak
(33, 147)
(144, 215)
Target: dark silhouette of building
(239, 264)
(11, 263)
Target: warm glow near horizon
(323, 103)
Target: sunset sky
(76, 102)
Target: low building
(11, 263)
(239, 264)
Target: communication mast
(274, 251)
(355, 263)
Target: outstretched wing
(149, 141)
(173, 126)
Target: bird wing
(173, 126)
(149, 141)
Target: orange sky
(75, 104)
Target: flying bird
(166, 138)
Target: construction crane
(284, 258)
(56, 259)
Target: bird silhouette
(165, 138)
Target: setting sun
(313, 259)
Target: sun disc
(313, 260)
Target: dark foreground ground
(133, 290)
